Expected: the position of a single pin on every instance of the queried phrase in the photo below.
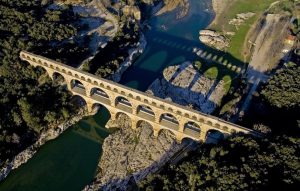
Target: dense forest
(29, 101)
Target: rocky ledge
(129, 155)
(213, 38)
(45, 136)
(184, 85)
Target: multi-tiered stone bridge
(139, 106)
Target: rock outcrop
(215, 39)
(241, 18)
(184, 85)
(129, 155)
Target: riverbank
(133, 53)
(47, 135)
(130, 155)
(234, 19)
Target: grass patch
(211, 73)
(234, 8)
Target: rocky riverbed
(47, 135)
(186, 86)
(129, 155)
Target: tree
(283, 89)
(239, 163)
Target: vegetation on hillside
(109, 59)
(239, 163)
(29, 101)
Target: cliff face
(129, 155)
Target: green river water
(70, 161)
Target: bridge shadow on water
(165, 50)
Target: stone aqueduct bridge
(139, 106)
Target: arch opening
(213, 136)
(100, 95)
(192, 129)
(145, 112)
(98, 106)
(123, 104)
(170, 121)
(58, 78)
(78, 87)
(78, 101)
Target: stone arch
(209, 123)
(130, 95)
(145, 112)
(33, 59)
(225, 128)
(170, 109)
(79, 101)
(214, 136)
(76, 76)
(40, 62)
(100, 95)
(154, 103)
(46, 64)
(192, 129)
(146, 101)
(89, 80)
(95, 83)
(138, 98)
(70, 73)
(115, 90)
(97, 106)
(178, 112)
(57, 68)
(123, 104)
(168, 120)
(77, 86)
(82, 78)
(58, 78)
(42, 70)
(63, 71)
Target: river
(70, 161)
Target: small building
(290, 40)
